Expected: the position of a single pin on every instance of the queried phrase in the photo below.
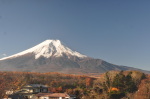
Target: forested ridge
(110, 85)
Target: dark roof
(35, 85)
(16, 96)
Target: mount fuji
(53, 56)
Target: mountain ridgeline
(53, 56)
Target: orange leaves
(114, 89)
(59, 89)
(58, 82)
(89, 82)
(55, 90)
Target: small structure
(9, 92)
(28, 91)
(34, 88)
(36, 91)
(53, 96)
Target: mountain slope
(53, 56)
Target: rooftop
(35, 85)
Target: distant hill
(53, 56)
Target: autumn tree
(89, 82)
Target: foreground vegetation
(110, 85)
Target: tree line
(110, 85)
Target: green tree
(119, 81)
(130, 85)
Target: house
(36, 91)
(53, 96)
(35, 88)
(9, 92)
(28, 91)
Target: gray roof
(36, 85)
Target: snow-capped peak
(47, 49)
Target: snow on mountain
(47, 49)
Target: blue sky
(117, 31)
